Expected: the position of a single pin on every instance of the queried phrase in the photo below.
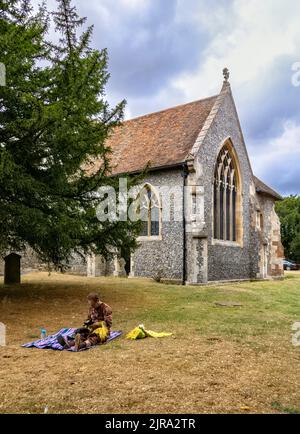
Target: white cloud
(135, 4)
(277, 148)
(248, 37)
(255, 39)
(278, 160)
(251, 37)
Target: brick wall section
(270, 235)
(163, 256)
(228, 261)
(29, 262)
(157, 257)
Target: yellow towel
(102, 331)
(140, 332)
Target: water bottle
(43, 334)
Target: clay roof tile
(159, 139)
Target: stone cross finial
(226, 74)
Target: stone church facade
(221, 223)
(230, 230)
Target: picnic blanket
(51, 343)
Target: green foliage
(54, 121)
(282, 409)
(289, 214)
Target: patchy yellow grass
(220, 359)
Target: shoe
(77, 342)
(63, 341)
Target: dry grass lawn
(221, 359)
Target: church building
(198, 167)
(206, 217)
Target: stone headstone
(122, 263)
(2, 335)
(91, 266)
(12, 269)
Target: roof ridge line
(168, 109)
(208, 122)
(262, 187)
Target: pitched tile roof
(163, 139)
(261, 187)
(159, 139)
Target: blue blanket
(51, 343)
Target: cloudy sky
(167, 52)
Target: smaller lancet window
(149, 212)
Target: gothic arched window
(149, 208)
(225, 197)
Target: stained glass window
(225, 194)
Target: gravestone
(2, 335)
(12, 269)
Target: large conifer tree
(54, 119)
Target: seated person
(97, 326)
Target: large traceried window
(149, 207)
(225, 196)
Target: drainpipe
(184, 176)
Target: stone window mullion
(152, 214)
(149, 218)
(225, 203)
(218, 211)
(224, 210)
(230, 214)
